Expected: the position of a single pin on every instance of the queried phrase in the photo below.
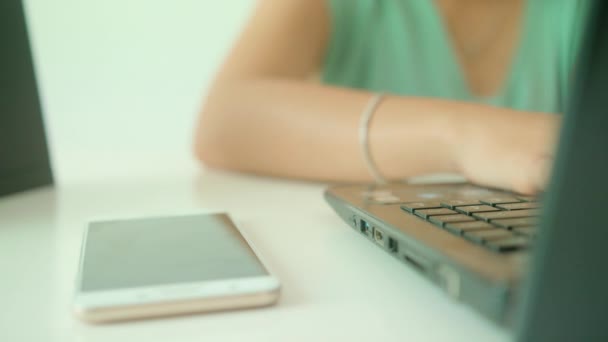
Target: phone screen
(162, 251)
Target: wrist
(449, 132)
(407, 142)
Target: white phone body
(144, 268)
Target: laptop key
(502, 224)
(481, 236)
(499, 200)
(529, 231)
(462, 227)
(509, 244)
(471, 209)
(444, 219)
(413, 206)
(452, 204)
(518, 206)
(516, 222)
(426, 213)
(493, 215)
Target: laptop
(24, 157)
(534, 264)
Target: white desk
(336, 286)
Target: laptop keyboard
(501, 224)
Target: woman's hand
(507, 149)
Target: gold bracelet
(366, 118)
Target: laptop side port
(379, 237)
(417, 261)
(449, 279)
(392, 245)
(365, 228)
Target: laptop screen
(565, 296)
(24, 159)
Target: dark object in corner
(24, 157)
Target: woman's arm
(264, 115)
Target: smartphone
(151, 267)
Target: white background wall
(125, 78)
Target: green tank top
(402, 47)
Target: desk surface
(100, 63)
(336, 286)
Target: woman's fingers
(541, 173)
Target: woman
(474, 88)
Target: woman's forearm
(306, 130)
(263, 117)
